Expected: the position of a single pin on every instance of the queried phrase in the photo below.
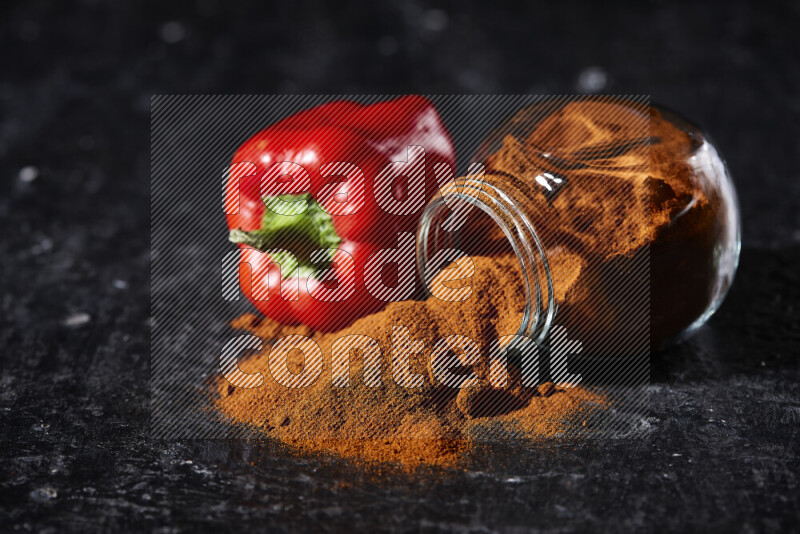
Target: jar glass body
(622, 215)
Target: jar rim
(519, 231)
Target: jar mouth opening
(520, 238)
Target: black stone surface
(75, 86)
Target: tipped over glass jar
(622, 216)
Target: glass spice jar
(622, 215)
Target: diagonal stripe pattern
(192, 140)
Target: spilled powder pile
(429, 424)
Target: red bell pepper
(331, 163)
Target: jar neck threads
(457, 200)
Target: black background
(75, 85)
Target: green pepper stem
(295, 224)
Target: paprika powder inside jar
(622, 216)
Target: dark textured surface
(76, 81)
